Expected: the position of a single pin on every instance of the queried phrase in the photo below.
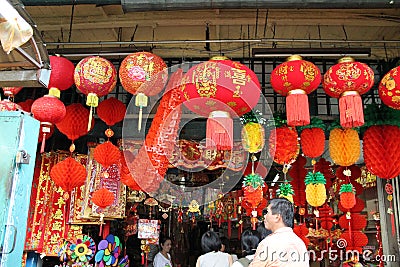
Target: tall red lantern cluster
(347, 80)
(220, 89)
(294, 79)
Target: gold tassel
(141, 101)
(92, 101)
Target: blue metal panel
(18, 132)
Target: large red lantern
(389, 88)
(62, 73)
(347, 80)
(284, 145)
(48, 110)
(11, 91)
(143, 74)
(68, 174)
(111, 111)
(220, 89)
(107, 154)
(95, 77)
(294, 79)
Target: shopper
(226, 248)
(282, 247)
(213, 257)
(264, 232)
(163, 258)
(250, 240)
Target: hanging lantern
(349, 174)
(111, 111)
(344, 146)
(74, 124)
(26, 105)
(312, 138)
(220, 89)
(253, 134)
(355, 240)
(298, 174)
(107, 154)
(62, 73)
(325, 215)
(302, 232)
(284, 145)
(286, 191)
(7, 105)
(143, 74)
(48, 110)
(389, 88)
(294, 79)
(68, 174)
(381, 147)
(10, 92)
(356, 221)
(95, 77)
(253, 192)
(315, 189)
(103, 198)
(358, 207)
(347, 80)
(347, 196)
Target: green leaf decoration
(254, 180)
(346, 188)
(277, 121)
(381, 115)
(314, 123)
(336, 124)
(252, 116)
(285, 189)
(315, 178)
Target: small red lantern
(68, 174)
(62, 73)
(347, 80)
(95, 77)
(284, 145)
(312, 142)
(220, 89)
(111, 111)
(11, 91)
(389, 88)
(294, 79)
(107, 154)
(103, 198)
(356, 221)
(48, 110)
(26, 105)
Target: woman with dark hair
(213, 257)
(163, 258)
(250, 240)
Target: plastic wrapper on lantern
(294, 79)
(389, 88)
(220, 89)
(347, 80)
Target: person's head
(262, 231)
(210, 241)
(224, 244)
(250, 240)
(279, 213)
(165, 244)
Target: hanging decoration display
(62, 73)
(312, 138)
(389, 192)
(106, 154)
(95, 77)
(253, 193)
(347, 80)
(349, 174)
(325, 217)
(344, 146)
(294, 79)
(347, 196)
(111, 111)
(220, 89)
(286, 191)
(389, 88)
(143, 74)
(301, 231)
(315, 189)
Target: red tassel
(142, 258)
(106, 229)
(351, 109)
(219, 131)
(297, 108)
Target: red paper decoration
(357, 221)
(284, 145)
(68, 174)
(312, 142)
(389, 88)
(355, 174)
(7, 105)
(11, 91)
(220, 89)
(111, 111)
(294, 79)
(62, 73)
(298, 174)
(360, 205)
(347, 80)
(325, 215)
(107, 154)
(381, 149)
(355, 240)
(26, 105)
(302, 231)
(103, 198)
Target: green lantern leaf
(315, 178)
(314, 123)
(381, 115)
(254, 180)
(346, 188)
(252, 116)
(277, 121)
(285, 189)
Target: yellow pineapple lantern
(253, 135)
(315, 189)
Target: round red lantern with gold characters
(294, 79)
(389, 88)
(347, 80)
(220, 89)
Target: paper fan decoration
(108, 252)
(64, 251)
(82, 249)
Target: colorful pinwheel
(108, 251)
(82, 249)
(64, 251)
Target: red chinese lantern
(355, 240)
(48, 110)
(46, 136)
(95, 77)
(389, 88)
(358, 207)
(62, 73)
(107, 154)
(294, 79)
(356, 221)
(220, 89)
(111, 111)
(103, 198)
(347, 196)
(381, 147)
(10, 92)
(68, 174)
(302, 232)
(312, 142)
(26, 105)
(298, 174)
(347, 80)
(7, 105)
(284, 145)
(74, 124)
(143, 74)
(325, 215)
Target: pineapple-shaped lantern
(315, 189)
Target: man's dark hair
(250, 240)
(210, 241)
(264, 232)
(285, 208)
